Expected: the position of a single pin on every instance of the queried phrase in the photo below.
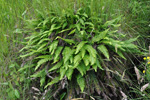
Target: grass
(134, 22)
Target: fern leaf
(62, 72)
(64, 30)
(81, 82)
(54, 27)
(95, 67)
(98, 64)
(44, 57)
(129, 46)
(82, 68)
(42, 80)
(57, 53)
(81, 21)
(26, 47)
(111, 22)
(70, 41)
(79, 46)
(101, 36)
(42, 46)
(67, 52)
(53, 46)
(83, 51)
(55, 80)
(86, 60)
(89, 23)
(104, 50)
(39, 74)
(92, 59)
(69, 73)
(72, 32)
(91, 50)
(71, 59)
(28, 54)
(78, 26)
(42, 61)
(25, 67)
(43, 40)
(131, 40)
(58, 65)
(121, 55)
(77, 58)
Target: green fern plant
(72, 44)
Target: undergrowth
(65, 48)
(134, 22)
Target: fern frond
(104, 50)
(43, 61)
(67, 52)
(79, 46)
(81, 82)
(91, 50)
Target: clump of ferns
(72, 46)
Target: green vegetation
(69, 49)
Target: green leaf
(42, 80)
(42, 46)
(81, 21)
(17, 94)
(44, 57)
(83, 51)
(104, 50)
(86, 60)
(54, 27)
(64, 30)
(98, 64)
(81, 82)
(62, 96)
(39, 74)
(111, 22)
(42, 61)
(94, 67)
(129, 46)
(131, 40)
(91, 50)
(92, 59)
(120, 54)
(69, 73)
(62, 73)
(57, 53)
(28, 54)
(82, 68)
(53, 46)
(64, 25)
(55, 80)
(72, 32)
(79, 46)
(43, 40)
(89, 23)
(71, 59)
(58, 65)
(99, 37)
(25, 67)
(70, 41)
(85, 15)
(77, 58)
(78, 27)
(67, 53)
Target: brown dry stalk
(137, 73)
(144, 87)
(124, 95)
